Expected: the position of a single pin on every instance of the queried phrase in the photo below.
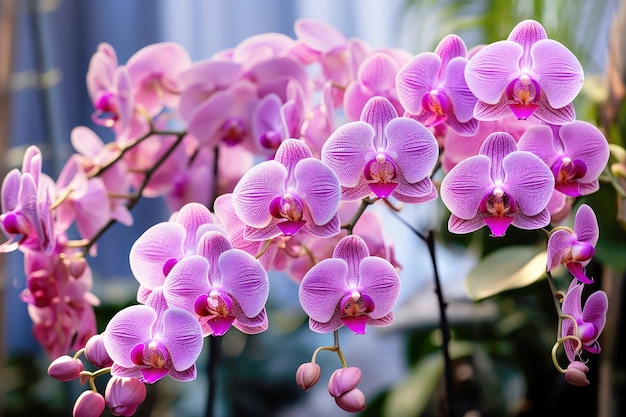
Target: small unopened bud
(344, 380)
(352, 401)
(576, 374)
(89, 404)
(77, 266)
(124, 394)
(307, 375)
(96, 353)
(65, 368)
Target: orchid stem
(334, 348)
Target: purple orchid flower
(221, 286)
(150, 344)
(382, 153)
(432, 87)
(575, 248)
(159, 248)
(498, 187)
(527, 74)
(352, 288)
(576, 153)
(25, 214)
(589, 320)
(292, 192)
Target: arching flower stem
(357, 215)
(334, 348)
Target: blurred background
(501, 348)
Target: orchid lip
(232, 131)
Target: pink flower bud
(352, 401)
(576, 374)
(96, 353)
(307, 375)
(124, 394)
(89, 404)
(65, 368)
(344, 380)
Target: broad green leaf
(506, 269)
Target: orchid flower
(221, 286)
(382, 153)
(432, 87)
(293, 192)
(575, 248)
(498, 187)
(586, 323)
(576, 153)
(149, 344)
(25, 214)
(527, 74)
(352, 288)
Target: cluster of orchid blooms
(290, 135)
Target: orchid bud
(124, 394)
(96, 353)
(352, 401)
(307, 375)
(576, 374)
(65, 368)
(89, 404)
(344, 380)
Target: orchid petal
(290, 152)
(539, 140)
(322, 289)
(492, 112)
(578, 271)
(463, 226)
(378, 112)
(497, 146)
(449, 48)
(256, 190)
(379, 280)
(594, 312)
(416, 78)
(526, 222)
(416, 148)
(529, 180)
(317, 35)
(558, 243)
(244, 279)
(584, 141)
(183, 337)
(10, 190)
(378, 73)
(465, 186)
(490, 70)
(185, 375)
(321, 188)
(187, 280)
(586, 225)
(127, 329)
(344, 151)
(463, 100)
(546, 113)
(329, 229)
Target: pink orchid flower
(432, 87)
(382, 153)
(575, 248)
(586, 322)
(352, 288)
(292, 192)
(527, 74)
(149, 344)
(221, 286)
(25, 214)
(576, 153)
(498, 187)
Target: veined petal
(586, 225)
(251, 325)
(378, 73)
(185, 375)
(561, 75)
(463, 100)
(331, 228)
(539, 140)
(491, 112)
(326, 327)
(462, 226)
(463, 188)
(256, 190)
(352, 249)
(469, 128)
(320, 187)
(584, 141)
(416, 78)
(344, 151)
(211, 246)
(416, 148)
(492, 68)
(379, 280)
(187, 280)
(322, 289)
(378, 112)
(192, 216)
(548, 114)
(529, 180)
(449, 48)
(153, 249)
(572, 304)
(10, 190)
(594, 311)
(497, 146)
(183, 337)
(559, 241)
(128, 328)
(526, 222)
(290, 152)
(245, 280)
(527, 33)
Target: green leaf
(506, 269)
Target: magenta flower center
(42, 288)
(567, 173)
(270, 140)
(355, 308)
(381, 174)
(153, 358)
(217, 307)
(290, 208)
(232, 131)
(436, 102)
(106, 110)
(579, 252)
(14, 223)
(498, 205)
(523, 94)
